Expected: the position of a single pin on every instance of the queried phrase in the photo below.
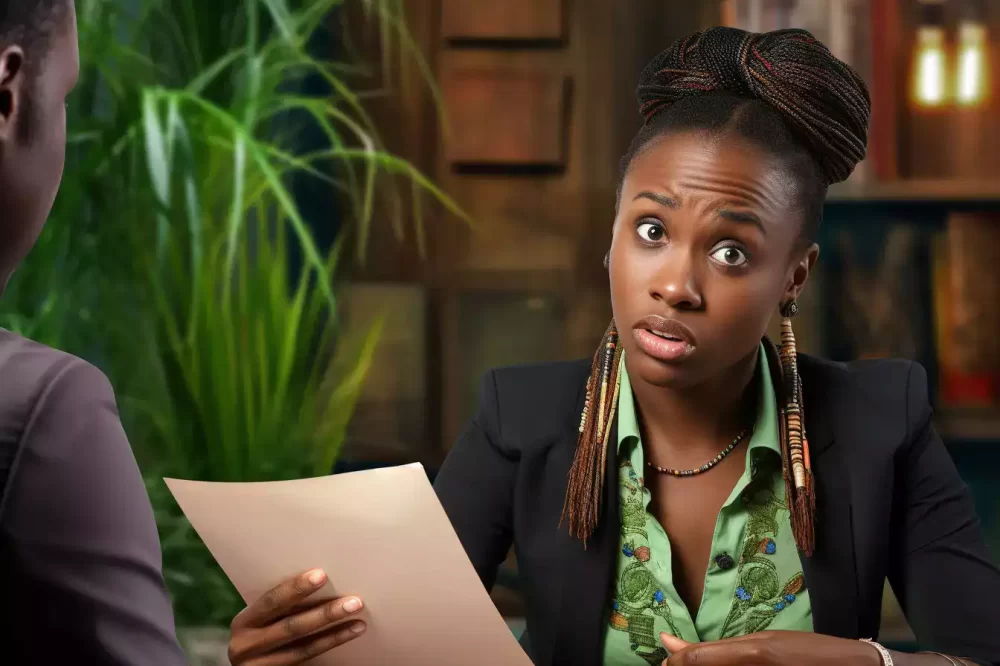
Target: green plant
(254, 387)
(209, 303)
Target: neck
(691, 424)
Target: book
(879, 304)
(965, 322)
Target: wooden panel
(520, 20)
(390, 419)
(505, 118)
(488, 328)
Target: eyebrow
(741, 217)
(726, 214)
(664, 201)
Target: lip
(674, 341)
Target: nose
(676, 283)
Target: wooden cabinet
(536, 105)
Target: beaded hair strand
(581, 507)
(584, 493)
(796, 466)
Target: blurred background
(294, 233)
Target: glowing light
(930, 80)
(972, 82)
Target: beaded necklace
(707, 466)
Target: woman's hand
(282, 627)
(772, 648)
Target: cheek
(49, 163)
(741, 308)
(55, 150)
(626, 279)
(31, 178)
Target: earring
(795, 444)
(607, 259)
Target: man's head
(39, 65)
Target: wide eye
(729, 256)
(650, 232)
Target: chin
(682, 374)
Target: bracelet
(951, 660)
(886, 657)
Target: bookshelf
(968, 425)
(941, 192)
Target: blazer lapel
(585, 579)
(831, 573)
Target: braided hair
(786, 93)
(782, 90)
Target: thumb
(672, 643)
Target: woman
(694, 495)
(79, 554)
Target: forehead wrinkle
(733, 193)
(749, 178)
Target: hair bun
(823, 100)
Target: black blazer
(890, 504)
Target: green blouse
(754, 579)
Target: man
(80, 564)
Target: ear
(11, 89)
(800, 273)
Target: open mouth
(672, 338)
(668, 340)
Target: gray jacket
(80, 563)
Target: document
(379, 534)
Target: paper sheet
(379, 534)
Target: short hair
(783, 91)
(30, 23)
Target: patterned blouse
(754, 579)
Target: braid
(824, 102)
(783, 91)
(586, 477)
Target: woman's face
(706, 246)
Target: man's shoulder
(35, 376)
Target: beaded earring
(794, 442)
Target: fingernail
(357, 628)
(352, 605)
(316, 577)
